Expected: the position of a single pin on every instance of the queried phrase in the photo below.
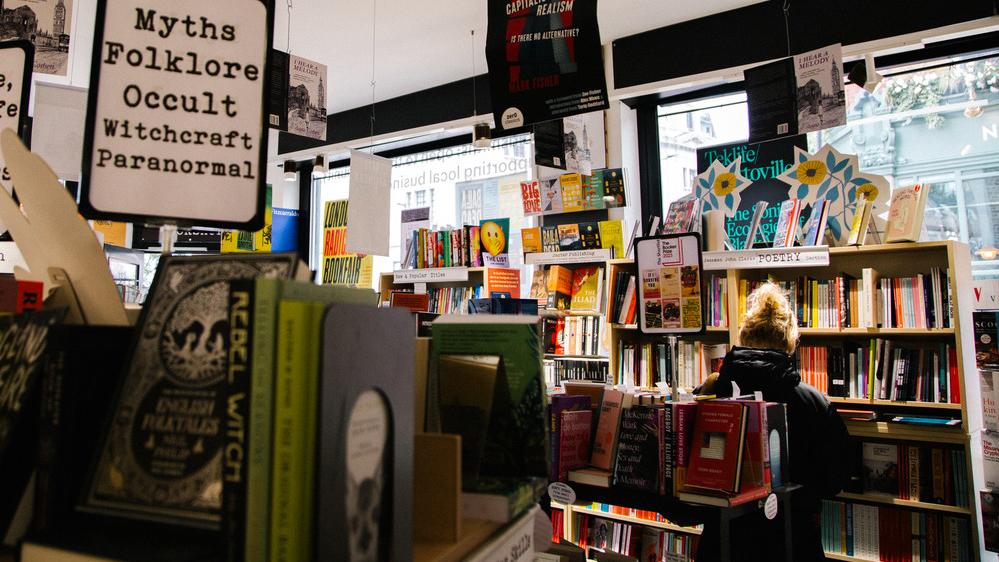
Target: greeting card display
(669, 291)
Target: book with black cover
(772, 96)
(637, 456)
(365, 472)
(24, 337)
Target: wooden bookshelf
(387, 284)
(636, 520)
(838, 556)
(890, 260)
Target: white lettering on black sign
(176, 118)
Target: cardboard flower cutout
(836, 177)
(719, 188)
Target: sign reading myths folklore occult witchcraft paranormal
(545, 60)
(176, 124)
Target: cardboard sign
(545, 60)
(176, 128)
(15, 86)
(670, 300)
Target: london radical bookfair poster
(762, 163)
(545, 60)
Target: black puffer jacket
(817, 448)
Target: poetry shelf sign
(545, 60)
(176, 119)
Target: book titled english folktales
(560, 404)
(605, 440)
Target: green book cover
(517, 439)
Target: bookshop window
(934, 124)
(460, 185)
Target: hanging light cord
(787, 24)
(374, 36)
(475, 101)
(289, 27)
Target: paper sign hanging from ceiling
(15, 86)
(176, 128)
(369, 211)
(545, 60)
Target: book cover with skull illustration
(161, 453)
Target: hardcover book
(614, 192)
(568, 237)
(551, 195)
(612, 236)
(530, 192)
(539, 286)
(754, 226)
(563, 403)
(161, 455)
(467, 386)
(589, 235)
(637, 458)
(817, 223)
(572, 192)
(881, 468)
(517, 438)
(531, 239)
(550, 241)
(574, 441)
(605, 440)
(717, 447)
(678, 217)
(861, 223)
(787, 223)
(560, 282)
(587, 287)
(905, 216)
(593, 191)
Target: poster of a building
(46, 23)
(307, 98)
(820, 92)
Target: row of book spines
(920, 301)
(458, 247)
(643, 514)
(623, 302)
(574, 335)
(695, 363)
(558, 371)
(932, 475)
(717, 294)
(574, 236)
(452, 300)
(893, 535)
(633, 539)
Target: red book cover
(955, 383)
(574, 442)
(717, 446)
(29, 295)
(415, 302)
(605, 441)
(756, 467)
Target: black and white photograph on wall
(307, 98)
(46, 24)
(821, 96)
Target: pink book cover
(605, 441)
(574, 442)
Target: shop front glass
(934, 125)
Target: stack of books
(645, 364)
(637, 542)
(869, 532)
(449, 247)
(579, 289)
(573, 335)
(559, 370)
(922, 473)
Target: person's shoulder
(809, 396)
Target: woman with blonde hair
(817, 439)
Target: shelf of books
(626, 531)
(885, 333)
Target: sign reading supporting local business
(545, 60)
(670, 300)
(176, 116)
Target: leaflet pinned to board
(670, 298)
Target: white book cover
(821, 93)
(905, 216)
(990, 459)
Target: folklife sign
(176, 118)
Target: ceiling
(424, 44)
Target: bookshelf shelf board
(636, 520)
(875, 332)
(622, 261)
(838, 556)
(586, 357)
(888, 500)
(891, 404)
(624, 327)
(718, 329)
(907, 432)
(567, 257)
(555, 313)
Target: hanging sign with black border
(16, 60)
(177, 113)
(670, 300)
(545, 60)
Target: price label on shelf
(571, 256)
(562, 493)
(767, 258)
(438, 275)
